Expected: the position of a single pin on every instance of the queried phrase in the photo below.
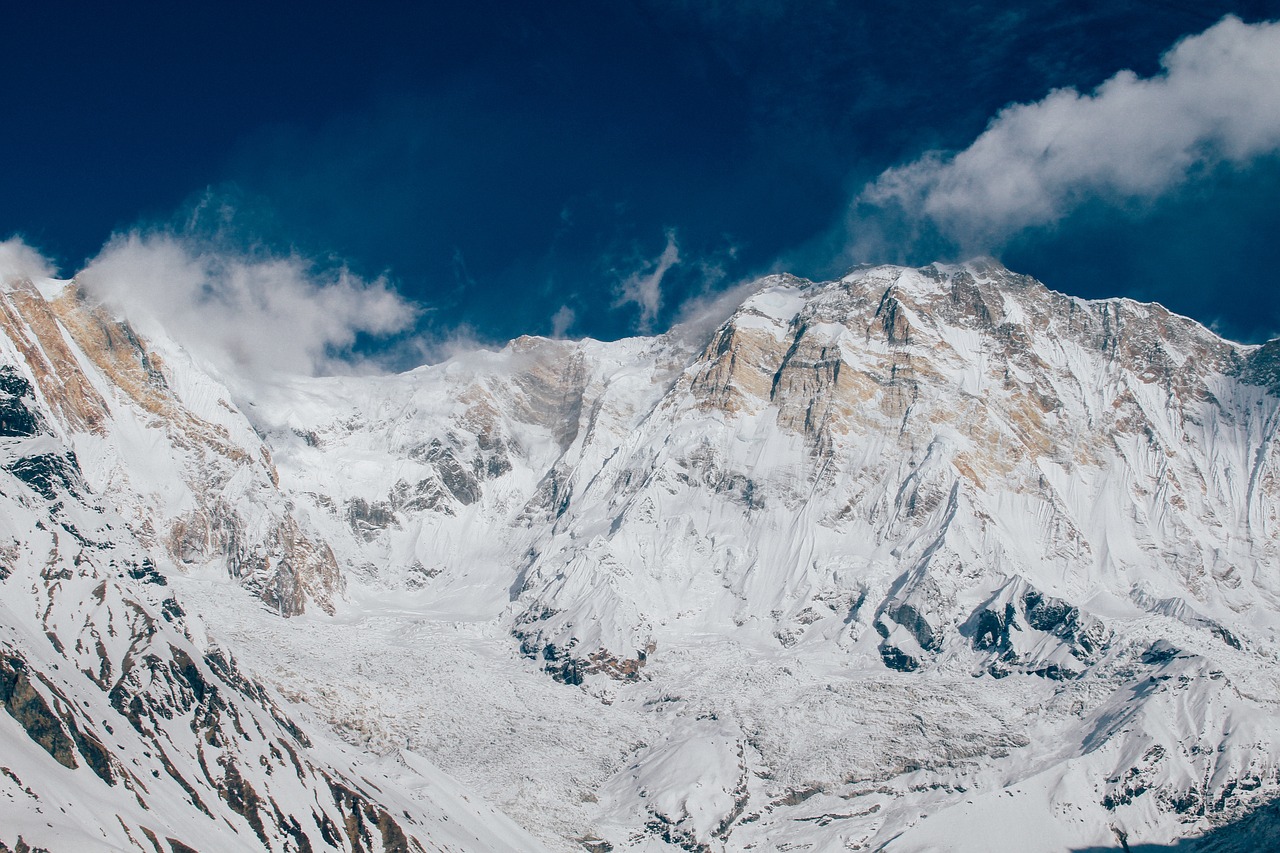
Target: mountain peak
(820, 566)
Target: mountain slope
(951, 471)
(884, 561)
(127, 725)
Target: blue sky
(588, 168)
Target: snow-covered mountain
(129, 725)
(930, 559)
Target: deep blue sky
(502, 161)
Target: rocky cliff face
(962, 451)
(935, 542)
(189, 474)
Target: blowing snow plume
(20, 261)
(1132, 140)
(252, 317)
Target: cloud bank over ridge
(251, 316)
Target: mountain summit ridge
(945, 507)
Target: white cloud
(644, 286)
(1216, 101)
(19, 262)
(252, 317)
(562, 321)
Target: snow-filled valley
(930, 559)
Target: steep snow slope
(951, 472)
(888, 561)
(128, 725)
(195, 483)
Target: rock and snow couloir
(886, 561)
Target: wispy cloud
(562, 321)
(643, 287)
(1132, 140)
(248, 315)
